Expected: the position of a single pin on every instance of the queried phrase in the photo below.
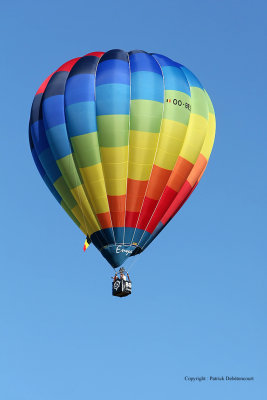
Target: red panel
(166, 200)
(147, 210)
(131, 219)
(178, 202)
(96, 54)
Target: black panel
(86, 65)
(36, 111)
(56, 85)
(115, 54)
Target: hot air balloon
(121, 139)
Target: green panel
(146, 115)
(68, 211)
(177, 106)
(69, 171)
(113, 130)
(210, 105)
(64, 192)
(199, 102)
(86, 149)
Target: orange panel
(136, 188)
(197, 170)
(158, 180)
(134, 203)
(180, 173)
(201, 174)
(118, 218)
(117, 203)
(104, 220)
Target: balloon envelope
(121, 139)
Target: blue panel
(53, 111)
(45, 177)
(102, 238)
(116, 255)
(112, 71)
(38, 163)
(58, 141)
(52, 188)
(144, 239)
(119, 234)
(165, 61)
(175, 79)
(80, 88)
(157, 230)
(97, 240)
(144, 62)
(49, 165)
(192, 79)
(147, 86)
(39, 137)
(112, 99)
(128, 235)
(137, 235)
(81, 118)
(109, 235)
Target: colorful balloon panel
(121, 139)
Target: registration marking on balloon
(179, 103)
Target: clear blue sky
(199, 301)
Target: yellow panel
(196, 132)
(170, 144)
(79, 195)
(115, 166)
(97, 195)
(209, 139)
(116, 187)
(143, 139)
(171, 139)
(166, 160)
(93, 173)
(114, 154)
(98, 189)
(115, 171)
(140, 172)
(140, 155)
(174, 129)
(100, 204)
(83, 229)
(95, 189)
